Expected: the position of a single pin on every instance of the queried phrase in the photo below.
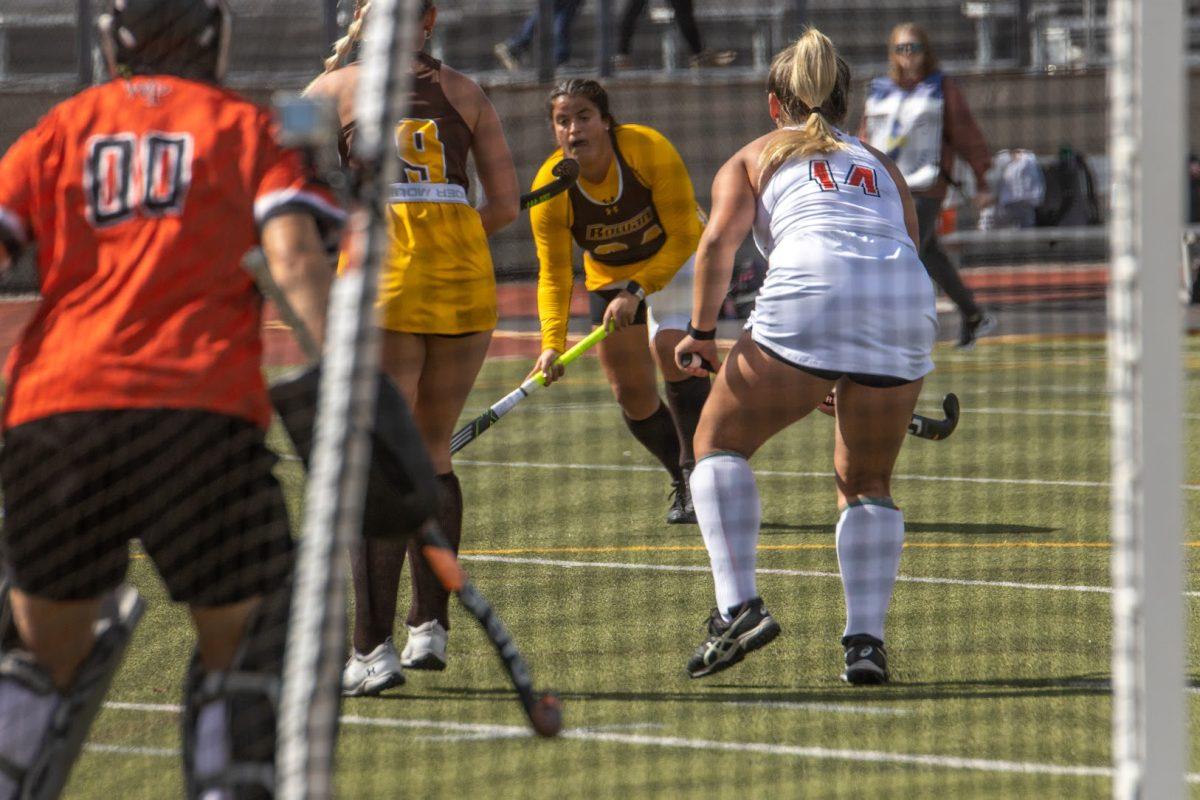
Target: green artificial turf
(998, 691)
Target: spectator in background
(919, 118)
(685, 17)
(510, 52)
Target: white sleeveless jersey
(844, 190)
(845, 290)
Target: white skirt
(847, 302)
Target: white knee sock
(727, 508)
(212, 747)
(870, 537)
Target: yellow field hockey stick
(469, 432)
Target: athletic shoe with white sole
(866, 660)
(752, 627)
(426, 647)
(372, 673)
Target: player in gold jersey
(437, 304)
(634, 214)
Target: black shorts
(195, 487)
(861, 378)
(598, 301)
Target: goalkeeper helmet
(188, 38)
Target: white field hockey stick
(469, 432)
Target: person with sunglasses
(920, 119)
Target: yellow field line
(697, 548)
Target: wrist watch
(635, 289)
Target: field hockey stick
(471, 431)
(544, 711)
(920, 426)
(935, 429)
(565, 172)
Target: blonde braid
(343, 46)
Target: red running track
(518, 301)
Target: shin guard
(229, 717)
(42, 729)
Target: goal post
(1147, 104)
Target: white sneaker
(372, 673)
(426, 647)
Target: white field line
(830, 754)
(523, 733)
(792, 573)
(776, 473)
(762, 748)
(833, 708)
(154, 752)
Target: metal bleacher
(279, 44)
(277, 41)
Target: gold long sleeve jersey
(640, 223)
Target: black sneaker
(866, 660)
(681, 512)
(974, 326)
(752, 627)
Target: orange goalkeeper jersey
(143, 196)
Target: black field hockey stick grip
(935, 429)
(543, 711)
(687, 358)
(565, 172)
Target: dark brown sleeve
(963, 134)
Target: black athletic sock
(658, 435)
(686, 398)
(430, 600)
(375, 566)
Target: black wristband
(635, 289)
(701, 336)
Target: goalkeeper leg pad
(229, 717)
(401, 492)
(43, 729)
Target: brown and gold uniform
(640, 223)
(439, 277)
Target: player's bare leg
(871, 427)
(631, 371)
(451, 366)
(57, 634)
(686, 396)
(219, 631)
(753, 398)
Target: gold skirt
(439, 276)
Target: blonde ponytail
(803, 78)
(345, 45)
